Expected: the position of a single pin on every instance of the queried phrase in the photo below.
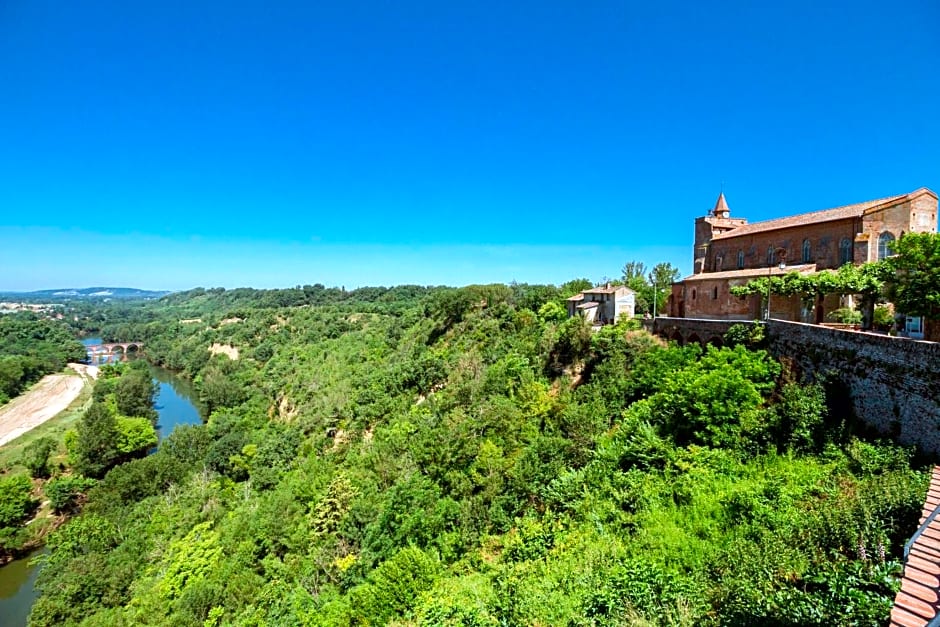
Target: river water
(176, 404)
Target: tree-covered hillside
(31, 347)
(473, 457)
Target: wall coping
(867, 335)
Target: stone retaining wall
(893, 383)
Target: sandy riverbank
(46, 399)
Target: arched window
(693, 293)
(714, 292)
(740, 259)
(883, 240)
(718, 261)
(770, 255)
(807, 251)
(845, 251)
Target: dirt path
(45, 400)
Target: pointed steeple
(721, 209)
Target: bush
(36, 457)
(394, 587)
(750, 335)
(845, 315)
(16, 503)
(63, 492)
(884, 318)
(801, 411)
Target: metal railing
(935, 621)
(920, 531)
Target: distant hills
(85, 293)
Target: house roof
(826, 215)
(589, 305)
(607, 290)
(752, 273)
(601, 290)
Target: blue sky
(177, 144)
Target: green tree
(395, 586)
(634, 277)
(914, 286)
(15, 500)
(96, 441)
(134, 393)
(36, 457)
(633, 270)
(661, 278)
(134, 435)
(572, 343)
(11, 375)
(63, 492)
(866, 281)
(552, 312)
(217, 387)
(575, 286)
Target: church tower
(717, 221)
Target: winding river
(176, 404)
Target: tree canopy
(914, 285)
(470, 457)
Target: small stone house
(603, 305)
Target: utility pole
(770, 270)
(652, 278)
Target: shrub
(751, 335)
(15, 500)
(36, 457)
(883, 318)
(63, 492)
(394, 587)
(845, 315)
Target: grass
(55, 428)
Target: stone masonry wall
(894, 383)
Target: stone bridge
(689, 330)
(113, 348)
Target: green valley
(438, 456)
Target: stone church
(730, 251)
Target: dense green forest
(436, 456)
(31, 347)
(50, 478)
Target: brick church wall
(824, 241)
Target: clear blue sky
(174, 144)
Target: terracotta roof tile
(921, 577)
(752, 273)
(607, 290)
(915, 605)
(920, 591)
(601, 290)
(902, 618)
(813, 217)
(918, 599)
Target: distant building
(729, 251)
(603, 305)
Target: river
(176, 404)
